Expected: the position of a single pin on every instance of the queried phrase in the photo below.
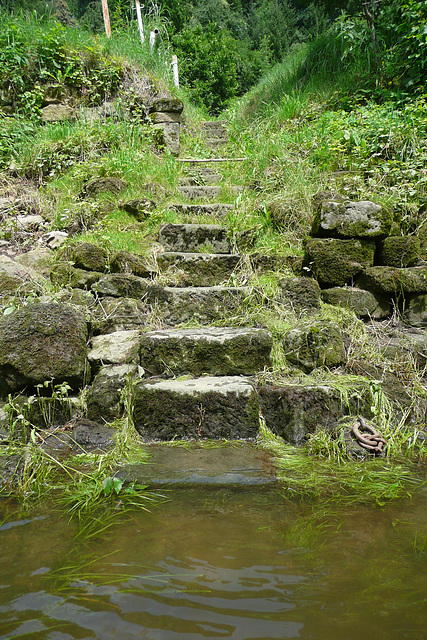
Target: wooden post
(140, 25)
(106, 18)
(175, 71)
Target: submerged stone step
(216, 209)
(222, 351)
(198, 193)
(230, 464)
(208, 407)
(198, 269)
(194, 238)
(198, 304)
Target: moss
(400, 251)
(335, 262)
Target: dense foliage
(225, 46)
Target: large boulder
(316, 344)
(104, 398)
(302, 295)
(349, 219)
(293, 411)
(87, 256)
(416, 311)
(400, 251)
(42, 342)
(336, 262)
(365, 304)
(390, 280)
(18, 279)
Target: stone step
(208, 407)
(219, 351)
(230, 464)
(216, 209)
(198, 304)
(200, 193)
(214, 124)
(196, 269)
(194, 238)
(197, 179)
(215, 143)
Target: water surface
(246, 565)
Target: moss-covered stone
(121, 285)
(316, 344)
(194, 238)
(64, 275)
(197, 269)
(96, 186)
(365, 304)
(416, 311)
(125, 262)
(302, 295)
(400, 251)
(349, 219)
(390, 280)
(336, 262)
(104, 397)
(169, 105)
(293, 412)
(223, 407)
(220, 351)
(87, 256)
(200, 304)
(118, 314)
(139, 208)
(42, 342)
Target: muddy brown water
(219, 563)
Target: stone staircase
(215, 398)
(198, 382)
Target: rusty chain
(369, 439)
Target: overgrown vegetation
(342, 112)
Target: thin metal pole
(140, 25)
(106, 18)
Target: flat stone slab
(219, 351)
(198, 269)
(194, 238)
(119, 347)
(198, 193)
(200, 304)
(216, 209)
(233, 463)
(208, 407)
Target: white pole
(153, 35)
(140, 25)
(175, 71)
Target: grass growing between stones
(320, 470)
(83, 485)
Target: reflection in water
(219, 564)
